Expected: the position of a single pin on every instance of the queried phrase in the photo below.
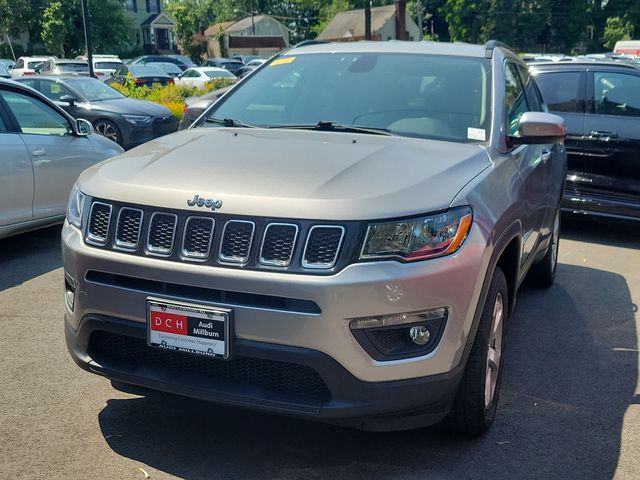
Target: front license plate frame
(194, 329)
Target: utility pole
(367, 19)
(87, 35)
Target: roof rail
(491, 45)
(304, 43)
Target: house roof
(350, 24)
(158, 20)
(216, 28)
(234, 27)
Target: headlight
(419, 238)
(74, 207)
(137, 119)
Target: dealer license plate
(188, 328)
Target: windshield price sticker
(182, 328)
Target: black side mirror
(70, 99)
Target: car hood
(290, 173)
(129, 106)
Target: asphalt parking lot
(570, 405)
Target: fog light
(69, 291)
(420, 335)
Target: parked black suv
(600, 103)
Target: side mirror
(539, 128)
(83, 127)
(70, 99)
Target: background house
(387, 23)
(260, 35)
(155, 28)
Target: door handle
(38, 152)
(546, 154)
(606, 136)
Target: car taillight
(28, 73)
(140, 81)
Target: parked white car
(103, 65)
(43, 150)
(27, 66)
(198, 76)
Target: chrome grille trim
(123, 244)
(234, 260)
(160, 251)
(190, 255)
(98, 239)
(278, 263)
(318, 266)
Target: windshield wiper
(229, 122)
(328, 126)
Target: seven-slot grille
(198, 238)
(278, 243)
(128, 229)
(161, 233)
(236, 241)
(323, 246)
(198, 233)
(99, 220)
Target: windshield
(106, 65)
(94, 90)
(428, 96)
(73, 67)
(219, 74)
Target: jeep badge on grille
(198, 201)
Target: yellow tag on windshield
(282, 61)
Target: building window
(131, 5)
(148, 6)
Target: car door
(612, 122)
(58, 156)
(531, 163)
(16, 174)
(551, 158)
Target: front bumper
(346, 400)
(358, 385)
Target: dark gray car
(330, 241)
(126, 121)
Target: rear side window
(561, 90)
(617, 94)
(34, 116)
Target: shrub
(171, 96)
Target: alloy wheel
(494, 350)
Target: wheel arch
(506, 254)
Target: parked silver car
(42, 152)
(341, 237)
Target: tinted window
(219, 74)
(54, 91)
(34, 65)
(106, 65)
(560, 90)
(73, 67)
(35, 117)
(617, 94)
(515, 100)
(143, 71)
(94, 90)
(426, 96)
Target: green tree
(54, 28)
(62, 31)
(615, 30)
(465, 19)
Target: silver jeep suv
(340, 237)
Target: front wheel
(474, 407)
(108, 129)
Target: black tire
(543, 273)
(109, 130)
(473, 410)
